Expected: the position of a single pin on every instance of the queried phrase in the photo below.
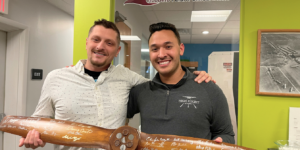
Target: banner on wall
(155, 2)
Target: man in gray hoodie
(172, 103)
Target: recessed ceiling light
(130, 38)
(144, 50)
(210, 16)
(205, 32)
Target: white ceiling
(179, 14)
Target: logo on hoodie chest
(189, 101)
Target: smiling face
(165, 52)
(102, 46)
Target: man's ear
(181, 46)
(86, 41)
(118, 51)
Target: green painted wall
(262, 119)
(85, 13)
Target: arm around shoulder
(135, 78)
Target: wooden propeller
(69, 133)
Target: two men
(93, 91)
(173, 103)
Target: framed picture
(278, 62)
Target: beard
(97, 64)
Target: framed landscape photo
(278, 62)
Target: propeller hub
(124, 138)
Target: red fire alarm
(4, 6)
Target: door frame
(15, 74)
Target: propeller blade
(174, 142)
(124, 138)
(59, 132)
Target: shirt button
(96, 88)
(99, 105)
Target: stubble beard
(97, 64)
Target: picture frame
(278, 62)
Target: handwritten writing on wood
(177, 143)
(74, 138)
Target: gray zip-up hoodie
(187, 109)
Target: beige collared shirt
(70, 94)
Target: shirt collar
(79, 67)
(156, 80)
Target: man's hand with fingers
(32, 140)
(70, 66)
(219, 140)
(203, 76)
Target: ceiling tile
(180, 24)
(146, 8)
(235, 15)
(216, 5)
(208, 25)
(174, 6)
(150, 15)
(204, 36)
(185, 37)
(211, 31)
(202, 41)
(232, 25)
(230, 31)
(173, 15)
(185, 41)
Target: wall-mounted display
(278, 62)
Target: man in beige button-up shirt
(73, 94)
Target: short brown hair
(108, 25)
(164, 26)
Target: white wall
(2, 68)
(2, 77)
(50, 42)
(139, 25)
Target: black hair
(163, 26)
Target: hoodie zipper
(168, 93)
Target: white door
(2, 77)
